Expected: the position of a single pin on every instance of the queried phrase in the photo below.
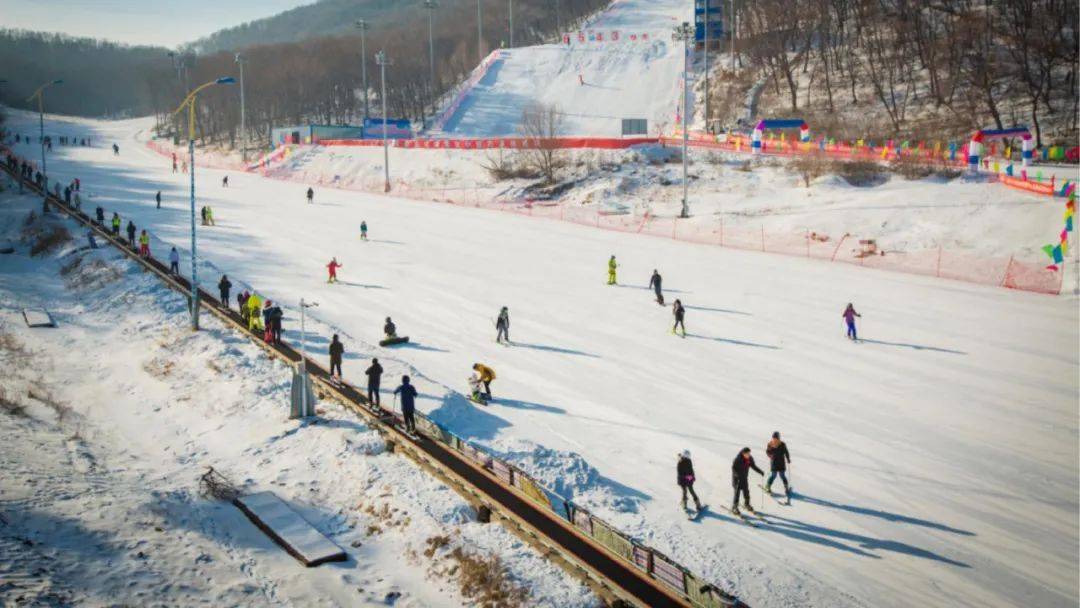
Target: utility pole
(304, 411)
(363, 27)
(431, 5)
(40, 94)
(511, 23)
(685, 33)
(243, 121)
(731, 27)
(558, 20)
(479, 32)
(708, 23)
(382, 61)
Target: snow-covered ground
(99, 492)
(935, 461)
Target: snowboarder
(374, 378)
(611, 266)
(849, 315)
(655, 283)
(337, 350)
(225, 182)
(158, 196)
(487, 375)
(363, 230)
(476, 390)
(144, 244)
(332, 269)
(174, 262)
(740, 473)
(502, 326)
(310, 195)
(679, 312)
(224, 285)
(779, 458)
(131, 234)
(116, 224)
(408, 403)
(684, 476)
(389, 329)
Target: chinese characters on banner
(604, 36)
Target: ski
(775, 497)
(694, 514)
(742, 516)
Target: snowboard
(394, 341)
(478, 400)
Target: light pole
(40, 94)
(685, 33)
(708, 22)
(479, 33)
(189, 103)
(243, 122)
(511, 23)
(363, 26)
(303, 357)
(431, 5)
(558, 20)
(382, 61)
(731, 27)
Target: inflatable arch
(975, 148)
(792, 123)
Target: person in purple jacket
(849, 316)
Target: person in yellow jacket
(611, 266)
(254, 306)
(486, 376)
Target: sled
(394, 341)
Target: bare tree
(542, 124)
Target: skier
(332, 269)
(502, 326)
(202, 214)
(158, 197)
(655, 282)
(337, 349)
(116, 224)
(684, 476)
(144, 244)
(374, 378)
(131, 234)
(174, 261)
(224, 285)
(225, 182)
(487, 375)
(254, 304)
(680, 313)
(849, 315)
(363, 230)
(408, 403)
(67, 195)
(100, 213)
(779, 458)
(115, 150)
(611, 266)
(740, 472)
(389, 329)
(310, 195)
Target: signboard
(396, 128)
(635, 126)
(708, 13)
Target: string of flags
(1059, 251)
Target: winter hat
(776, 435)
(404, 379)
(685, 454)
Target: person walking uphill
(374, 378)
(224, 285)
(655, 283)
(849, 315)
(779, 458)
(684, 476)
(331, 268)
(740, 473)
(337, 351)
(408, 403)
(502, 326)
(612, 265)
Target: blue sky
(161, 22)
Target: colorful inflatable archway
(976, 149)
(790, 123)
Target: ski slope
(624, 79)
(935, 461)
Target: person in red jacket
(332, 269)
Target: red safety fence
(492, 143)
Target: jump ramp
(289, 530)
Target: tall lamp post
(479, 32)
(431, 5)
(40, 94)
(243, 122)
(363, 26)
(189, 103)
(304, 405)
(382, 61)
(685, 33)
(708, 23)
(511, 23)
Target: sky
(159, 22)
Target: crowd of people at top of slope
(266, 317)
(62, 140)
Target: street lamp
(40, 94)
(685, 33)
(479, 33)
(303, 358)
(243, 122)
(363, 26)
(511, 23)
(382, 62)
(189, 103)
(731, 28)
(431, 5)
(708, 23)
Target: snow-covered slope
(618, 79)
(935, 461)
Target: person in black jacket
(684, 476)
(224, 285)
(408, 403)
(131, 234)
(337, 350)
(276, 315)
(656, 283)
(100, 214)
(502, 326)
(374, 377)
(157, 197)
(779, 457)
(679, 312)
(740, 473)
(390, 329)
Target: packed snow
(934, 461)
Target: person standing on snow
(210, 216)
(276, 316)
(332, 269)
(408, 403)
(337, 351)
(225, 182)
(611, 266)
(174, 262)
(363, 230)
(254, 307)
(374, 378)
(144, 244)
(241, 304)
(680, 313)
(158, 196)
(310, 196)
(502, 326)
(267, 323)
(487, 375)
(224, 285)
(684, 476)
(655, 283)
(740, 473)
(131, 234)
(849, 315)
(115, 150)
(779, 457)
(100, 214)
(116, 224)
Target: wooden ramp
(38, 317)
(289, 530)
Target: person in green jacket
(611, 266)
